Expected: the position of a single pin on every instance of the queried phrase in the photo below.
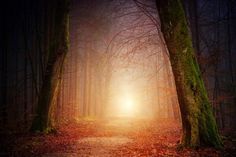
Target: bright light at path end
(127, 107)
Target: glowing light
(127, 107)
(127, 101)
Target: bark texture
(198, 122)
(56, 53)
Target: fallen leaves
(113, 137)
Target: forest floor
(111, 138)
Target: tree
(58, 47)
(4, 78)
(198, 122)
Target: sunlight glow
(128, 98)
(127, 107)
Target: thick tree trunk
(198, 122)
(58, 48)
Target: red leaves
(133, 138)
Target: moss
(50, 130)
(199, 126)
(58, 48)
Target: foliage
(146, 138)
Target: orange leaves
(114, 137)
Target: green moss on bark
(199, 126)
(58, 47)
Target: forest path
(116, 137)
(110, 138)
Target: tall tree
(58, 47)
(4, 78)
(198, 122)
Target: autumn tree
(198, 122)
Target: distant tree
(198, 122)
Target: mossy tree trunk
(56, 53)
(198, 122)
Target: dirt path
(110, 138)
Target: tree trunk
(173, 97)
(58, 48)
(198, 122)
(231, 64)
(4, 78)
(86, 82)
